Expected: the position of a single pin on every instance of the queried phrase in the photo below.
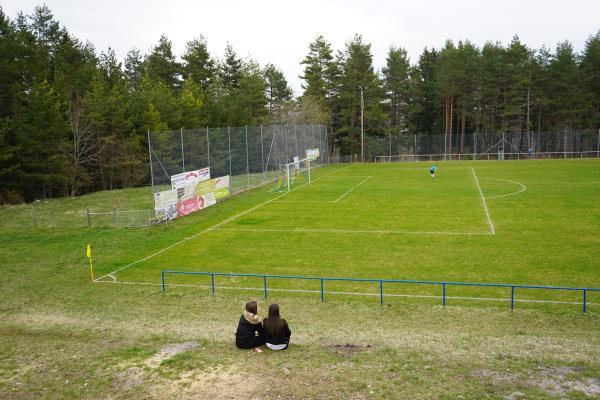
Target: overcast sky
(279, 31)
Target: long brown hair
(273, 324)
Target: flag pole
(89, 254)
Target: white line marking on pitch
(523, 188)
(333, 230)
(487, 213)
(351, 189)
(111, 274)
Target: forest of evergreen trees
(73, 121)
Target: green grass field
(539, 226)
(64, 336)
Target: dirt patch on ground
(556, 381)
(218, 383)
(169, 351)
(348, 350)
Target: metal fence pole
(444, 294)
(584, 301)
(182, 152)
(207, 147)
(212, 283)
(445, 144)
(381, 292)
(247, 161)
(229, 141)
(322, 292)
(115, 215)
(265, 285)
(162, 273)
(296, 141)
(89, 219)
(150, 160)
(565, 144)
(512, 298)
(262, 150)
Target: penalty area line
(111, 274)
(485, 208)
(352, 188)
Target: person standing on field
(432, 170)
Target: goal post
(294, 174)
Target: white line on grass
(351, 189)
(351, 231)
(487, 213)
(417, 296)
(111, 274)
(523, 188)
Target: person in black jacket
(250, 334)
(277, 332)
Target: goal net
(293, 174)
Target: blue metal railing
(322, 280)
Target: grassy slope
(65, 337)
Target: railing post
(322, 292)
(89, 219)
(512, 298)
(380, 292)
(163, 280)
(444, 294)
(212, 283)
(265, 285)
(584, 301)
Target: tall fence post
(89, 219)
(598, 145)
(381, 292)
(584, 301)
(322, 292)
(182, 152)
(247, 161)
(150, 160)
(207, 147)
(262, 151)
(162, 273)
(265, 285)
(212, 283)
(229, 144)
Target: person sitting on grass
(250, 334)
(277, 332)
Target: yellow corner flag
(89, 255)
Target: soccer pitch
(524, 222)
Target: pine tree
(161, 64)
(278, 92)
(397, 87)
(198, 65)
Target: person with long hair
(250, 334)
(277, 332)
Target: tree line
(73, 121)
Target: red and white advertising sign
(190, 178)
(190, 205)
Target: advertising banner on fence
(222, 187)
(165, 205)
(199, 192)
(312, 154)
(189, 178)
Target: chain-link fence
(477, 146)
(32, 216)
(250, 155)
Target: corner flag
(88, 253)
